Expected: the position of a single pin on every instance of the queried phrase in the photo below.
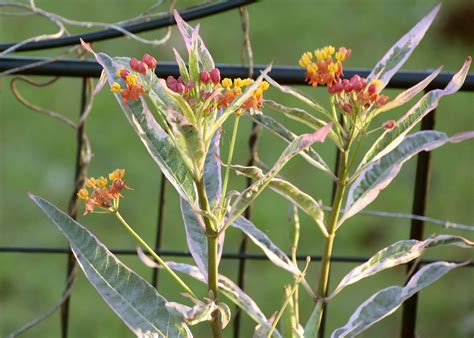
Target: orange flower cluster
(355, 92)
(133, 89)
(214, 93)
(104, 194)
(234, 88)
(324, 70)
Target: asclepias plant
(179, 121)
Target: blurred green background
(37, 154)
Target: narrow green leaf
(226, 286)
(302, 97)
(393, 137)
(380, 173)
(302, 142)
(398, 253)
(312, 326)
(144, 312)
(311, 156)
(156, 141)
(401, 51)
(287, 190)
(387, 301)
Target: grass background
(37, 154)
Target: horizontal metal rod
(190, 14)
(225, 255)
(282, 74)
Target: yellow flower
(237, 90)
(238, 82)
(83, 194)
(101, 182)
(116, 88)
(91, 182)
(117, 174)
(306, 59)
(119, 72)
(248, 81)
(333, 67)
(264, 85)
(226, 83)
(377, 83)
(131, 79)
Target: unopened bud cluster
(105, 193)
(357, 93)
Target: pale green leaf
(398, 253)
(387, 301)
(380, 173)
(312, 326)
(137, 303)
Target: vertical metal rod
(79, 177)
(322, 325)
(420, 201)
(159, 225)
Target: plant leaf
(391, 138)
(401, 51)
(287, 190)
(311, 156)
(386, 301)
(274, 253)
(204, 57)
(408, 94)
(156, 141)
(398, 253)
(246, 197)
(302, 116)
(380, 173)
(312, 326)
(193, 223)
(226, 286)
(302, 97)
(144, 312)
(200, 312)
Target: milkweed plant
(179, 121)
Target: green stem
(212, 257)
(332, 225)
(229, 159)
(153, 253)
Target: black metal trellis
(282, 74)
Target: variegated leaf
(287, 190)
(408, 94)
(145, 312)
(401, 51)
(155, 139)
(387, 301)
(380, 173)
(226, 286)
(204, 57)
(275, 127)
(398, 253)
(392, 137)
(194, 225)
(246, 197)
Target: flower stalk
(152, 252)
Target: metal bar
(420, 201)
(190, 14)
(80, 169)
(225, 255)
(283, 74)
(159, 226)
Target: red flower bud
(149, 60)
(134, 63)
(138, 66)
(215, 76)
(347, 86)
(372, 89)
(205, 76)
(124, 73)
(390, 124)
